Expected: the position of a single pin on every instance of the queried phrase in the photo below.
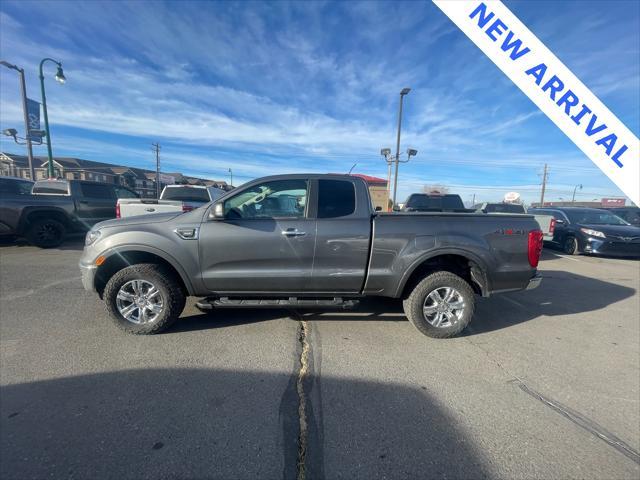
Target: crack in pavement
(575, 417)
(303, 331)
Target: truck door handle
(292, 232)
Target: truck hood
(137, 220)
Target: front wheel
(144, 298)
(570, 246)
(441, 305)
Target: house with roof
(138, 179)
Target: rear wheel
(46, 233)
(570, 246)
(441, 305)
(144, 298)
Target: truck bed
(496, 242)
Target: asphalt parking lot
(544, 384)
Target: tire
(570, 246)
(46, 233)
(170, 296)
(421, 298)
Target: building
(377, 190)
(138, 179)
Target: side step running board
(210, 303)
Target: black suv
(630, 214)
(592, 230)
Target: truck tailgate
(134, 207)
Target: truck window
(9, 186)
(277, 199)
(186, 194)
(504, 208)
(422, 201)
(51, 187)
(336, 198)
(122, 192)
(95, 190)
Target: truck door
(94, 201)
(342, 238)
(265, 242)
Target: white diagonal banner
(552, 87)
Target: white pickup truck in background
(547, 222)
(174, 198)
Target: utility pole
(473, 202)
(27, 130)
(403, 92)
(155, 147)
(231, 175)
(544, 185)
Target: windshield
(186, 194)
(594, 217)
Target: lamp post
(60, 78)
(231, 175)
(27, 133)
(386, 153)
(403, 92)
(573, 198)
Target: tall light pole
(60, 78)
(231, 174)
(27, 132)
(386, 153)
(403, 92)
(573, 198)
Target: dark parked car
(630, 214)
(57, 207)
(307, 241)
(593, 231)
(426, 202)
(13, 191)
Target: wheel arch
(116, 260)
(462, 263)
(30, 215)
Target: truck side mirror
(378, 208)
(217, 212)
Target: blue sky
(313, 86)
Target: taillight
(186, 208)
(552, 226)
(534, 247)
(117, 210)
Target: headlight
(92, 236)
(592, 233)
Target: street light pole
(573, 198)
(403, 92)
(60, 79)
(27, 134)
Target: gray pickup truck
(294, 241)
